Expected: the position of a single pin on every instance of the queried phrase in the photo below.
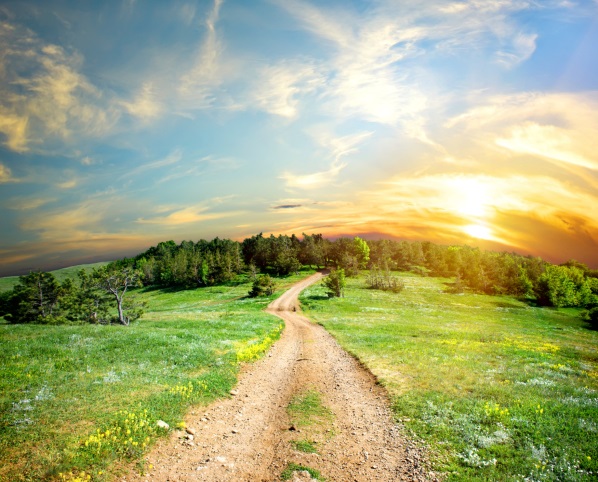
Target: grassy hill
(7, 283)
(499, 390)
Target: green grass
(7, 283)
(499, 390)
(305, 446)
(306, 409)
(292, 467)
(66, 390)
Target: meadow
(82, 402)
(7, 283)
(498, 390)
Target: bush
(262, 286)
(593, 317)
(382, 280)
(335, 282)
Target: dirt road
(250, 436)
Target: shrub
(382, 280)
(335, 282)
(262, 286)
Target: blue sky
(126, 123)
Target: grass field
(85, 399)
(499, 390)
(7, 283)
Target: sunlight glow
(478, 231)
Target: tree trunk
(121, 315)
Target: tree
(262, 286)
(86, 303)
(563, 286)
(35, 299)
(336, 283)
(116, 281)
(362, 251)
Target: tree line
(99, 296)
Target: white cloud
(26, 204)
(145, 105)
(561, 128)
(315, 180)
(338, 147)
(5, 174)
(54, 100)
(279, 86)
(173, 158)
(187, 215)
(206, 73)
(523, 47)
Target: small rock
(190, 431)
(162, 424)
(234, 393)
(189, 436)
(235, 430)
(292, 428)
(220, 459)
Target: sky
(126, 123)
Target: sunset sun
(478, 231)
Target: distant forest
(39, 298)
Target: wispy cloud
(206, 72)
(278, 87)
(26, 204)
(186, 215)
(338, 147)
(560, 128)
(315, 180)
(173, 158)
(5, 174)
(54, 99)
(145, 105)
(522, 48)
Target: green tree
(86, 303)
(116, 282)
(362, 251)
(336, 283)
(35, 299)
(263, 285)
(563, 286)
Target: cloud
(523, 47)
(68, 184)
(26, 204)
(204, 165)
(315, 180)
(287, 206)
(197, 84)
(513, 212)
(5, 174)
(187, 215)
(14, 127)
(73, 223)
(43, 95)
(144, 106)
(279, 86)
(173, 158)
(558, 127)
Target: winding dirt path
(249, 437)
